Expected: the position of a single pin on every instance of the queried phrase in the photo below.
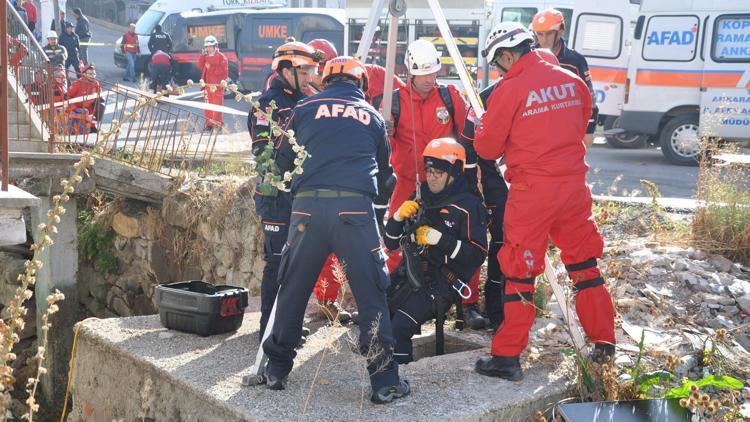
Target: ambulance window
(598, 35)
(199, 31)
(168, 25)
(671, 38)
(269, 34)
(568, 16)
(524, 15)
(146, 23)
(731, 40)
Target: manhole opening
(424, 345)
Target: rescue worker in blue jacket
(295, 63)
(452, 230)
(332, 212)
(495, 194)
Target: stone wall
(208, 232)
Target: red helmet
(329, 51)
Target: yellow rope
(70, 371)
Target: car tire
(679, 140)
(628, 140)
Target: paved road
(106, 70)
(606, 164)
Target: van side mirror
(639, 27)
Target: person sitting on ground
(450, 229)
(87, 86)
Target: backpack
(445, 95)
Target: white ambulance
(602, 31)
(689, 74)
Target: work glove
(426, 235)
(407, 210)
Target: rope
(70, 371)
(418, 189)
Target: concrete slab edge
(162, 380)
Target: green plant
(95, 244)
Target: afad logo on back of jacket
(341, 110)
(545, 99)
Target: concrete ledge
(17, 198)
(198, 379)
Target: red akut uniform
(537, 118)
(431, 121)
(214, 69)
(376, 84)
(83, 87)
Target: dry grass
(721, 224)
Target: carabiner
(464, 288)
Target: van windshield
(146, 23)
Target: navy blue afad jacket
(345, 137)
(285, 99)
(575, 62)
(457, 213)
(492, 180)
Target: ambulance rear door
(601, 37)
(725, 89)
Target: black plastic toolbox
(201, 308)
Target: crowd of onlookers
(72, 85)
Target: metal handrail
(162, 138)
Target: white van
(601, 30)
(167, 12)
(689, 74)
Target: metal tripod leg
(257, 374)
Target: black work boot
(473, 317)
(275, 383)
(388, 394)
(506, 367)
(603, 353)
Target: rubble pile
(684, 304)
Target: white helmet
(505, 35)
(422, 58)
(51, 34)
(210, 40)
